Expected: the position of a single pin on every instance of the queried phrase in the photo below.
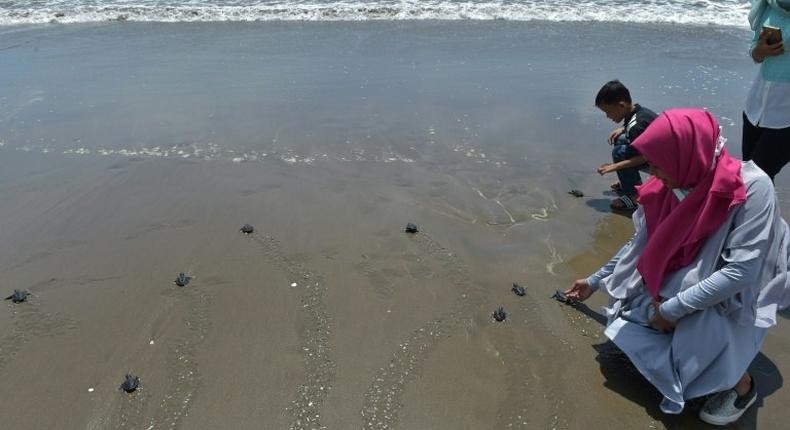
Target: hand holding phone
(773, 35)
(769, 44)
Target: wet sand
(133, 152)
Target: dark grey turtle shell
(576, 193)
(412, 228)
(247, 229)
(561, 297)
(182, 279)
(518, 289)
(19, 296)
(130, 383)
(500, 314)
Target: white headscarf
(758, 8)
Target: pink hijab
(683, 143)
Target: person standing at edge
(766, 116)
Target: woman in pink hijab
(692, 294)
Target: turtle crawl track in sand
(305, 408)
(382, 401)
(27, 322)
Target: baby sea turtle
(182, 279)
(500, 314)
(130, 383)
(518, 289)
(562, 298)
(411, 228)
(247, 229)
(576, 193)
(19, 296)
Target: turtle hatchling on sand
(247, 229)
(518, 289)
(576, 193)
(19, 296)
(500, 314)
(182, 279)
(130, 383)
(561, 297)
(412, 228)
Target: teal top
(775, 69)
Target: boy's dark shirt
(637, 121)
(635, 124)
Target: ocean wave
(700, 12)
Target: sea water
(701, 12)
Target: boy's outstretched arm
(625, 164)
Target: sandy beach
(130, 152)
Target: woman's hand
(579, 291)
(660, 323)
(763, 50)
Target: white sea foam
(701, 12)
(215, 153)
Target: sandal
(624, 203)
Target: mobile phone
(773, 35)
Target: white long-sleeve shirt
(768, 103)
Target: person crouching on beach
(693, 293)
(614, 100)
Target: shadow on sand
(603, 206)
(623, 377)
